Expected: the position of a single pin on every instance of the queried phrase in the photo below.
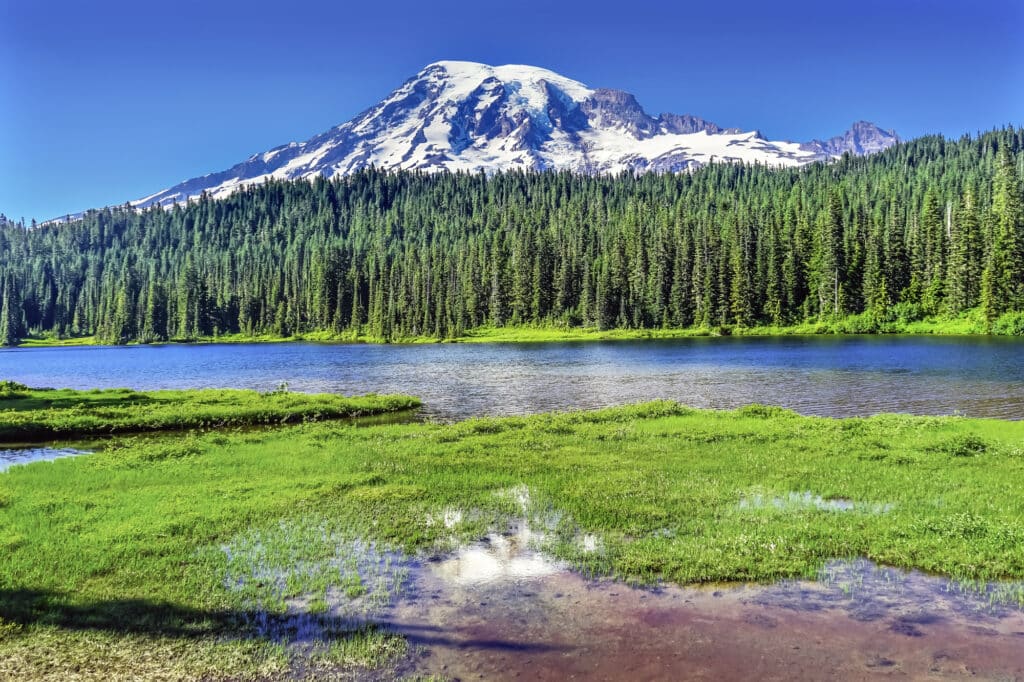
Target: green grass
(33, 414)
(53, 341)
(116, 561)
(969, 323)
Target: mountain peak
(863, 137)
(519, 77)
(467, 116)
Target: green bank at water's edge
(971, 323)
(33, 414)
(136, 550)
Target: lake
(827, 376)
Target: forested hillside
(929, 227)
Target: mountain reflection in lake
(830, 376)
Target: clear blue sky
(102, 101)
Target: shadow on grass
(162, 619)
(137, 616)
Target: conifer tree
(10, 314)
(1007, 259)
(965, 259)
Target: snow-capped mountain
(468, 116)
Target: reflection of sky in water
(9, 458)
(794, 501)
(832, 376)
(869, 591)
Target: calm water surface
(500, 610)
(26, 455)
(831, 376)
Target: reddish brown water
(499, 611)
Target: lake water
(829, 376)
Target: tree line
(929, 227)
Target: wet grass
(136, 548)
(34, 414)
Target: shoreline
(967, 325)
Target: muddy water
(501, 610)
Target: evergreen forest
(930, 228)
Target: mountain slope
(473, 117)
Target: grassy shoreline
(123, 552)
(971, 323)
(34, 414)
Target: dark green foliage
(1006, 256)
(1009, 324)
(926, 228)
(12, 389)
(968, 445)
(963, 281)
(11, 315)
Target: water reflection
(494, 622)
(831, 376)
(513, 556)
(808, 500)
(13, 456)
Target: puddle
(304, 583)
(867, 592)
(500, 609)
(449, 518)
(808, 500)
(14, 456)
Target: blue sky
(108, 100)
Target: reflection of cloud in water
(500, 558)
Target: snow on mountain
(466, 116)
(862, 138)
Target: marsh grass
(124, 551)
(305, 575)
(43, 414)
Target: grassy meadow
(164, 557)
